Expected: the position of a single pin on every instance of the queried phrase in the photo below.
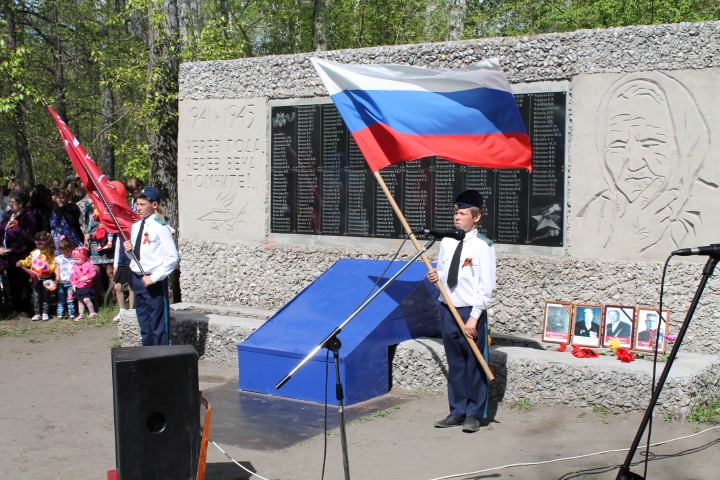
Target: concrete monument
(642, 171)
(222, 163)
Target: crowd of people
(56, 256)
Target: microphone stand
(624, 473)
(332, 343)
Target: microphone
(455, 233)
(712, 250)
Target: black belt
(140, 275)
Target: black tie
(138, 240)
(452, 278)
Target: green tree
(110, 67)
(528, 17)
(15, 90)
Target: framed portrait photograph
(618, 322)
(587, 326)
(558, 318)
(651, 328)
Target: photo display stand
(624, 473)
(332, 343)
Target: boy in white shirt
(469, 283)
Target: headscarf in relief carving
(652, 142)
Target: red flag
(115, 213)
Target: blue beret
(469, 198)
(151, 193)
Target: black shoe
(471, 425)
(449, 421)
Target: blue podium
(407, 309)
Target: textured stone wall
(267, 274)
(550, 57)
(551, 378)
(524, 372)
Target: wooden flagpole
(439, 284)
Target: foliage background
(110, 67)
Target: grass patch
(103, 318)
(522, 405)
(709, 413)
(6, 331)
(601, 410)
(604, 412)
(24, 327)
(380, 414)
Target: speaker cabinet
(157, 412)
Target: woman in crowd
(134, 187)
(17, 240)
(76, 193)
(42, 206)
(65, 220)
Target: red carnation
(584, 352)
(625, 355)
(561, 347)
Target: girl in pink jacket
(82, 280)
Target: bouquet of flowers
(40, 266)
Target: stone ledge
(214, 335)
(230, 311)
(548, 377)
(523, 368)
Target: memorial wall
(320, 183)
(222, 168)
(623, 122)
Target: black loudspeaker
(157, 412)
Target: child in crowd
(64, 264)
(82, 279)
(123, 276)
(102, 237)
(40, 265)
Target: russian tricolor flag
(399, 113)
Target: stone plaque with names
(321, 184)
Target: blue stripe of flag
(415, 112)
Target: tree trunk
(106, 162)
(23, 159)
(58, 72)
(163, 68)
(320, 8)
(456, 19)
(224, 10)
(106, 158)
(190, 21)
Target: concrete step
(548, 377)
(224, 310)
(525, 368)
(214, 330)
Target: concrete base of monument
(525, 369)
(214, 330)
(547, 377)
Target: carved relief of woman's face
(640, 148)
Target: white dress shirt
(158, 252)
(476, 276)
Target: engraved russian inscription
(321, 184)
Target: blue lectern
(406, 309)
